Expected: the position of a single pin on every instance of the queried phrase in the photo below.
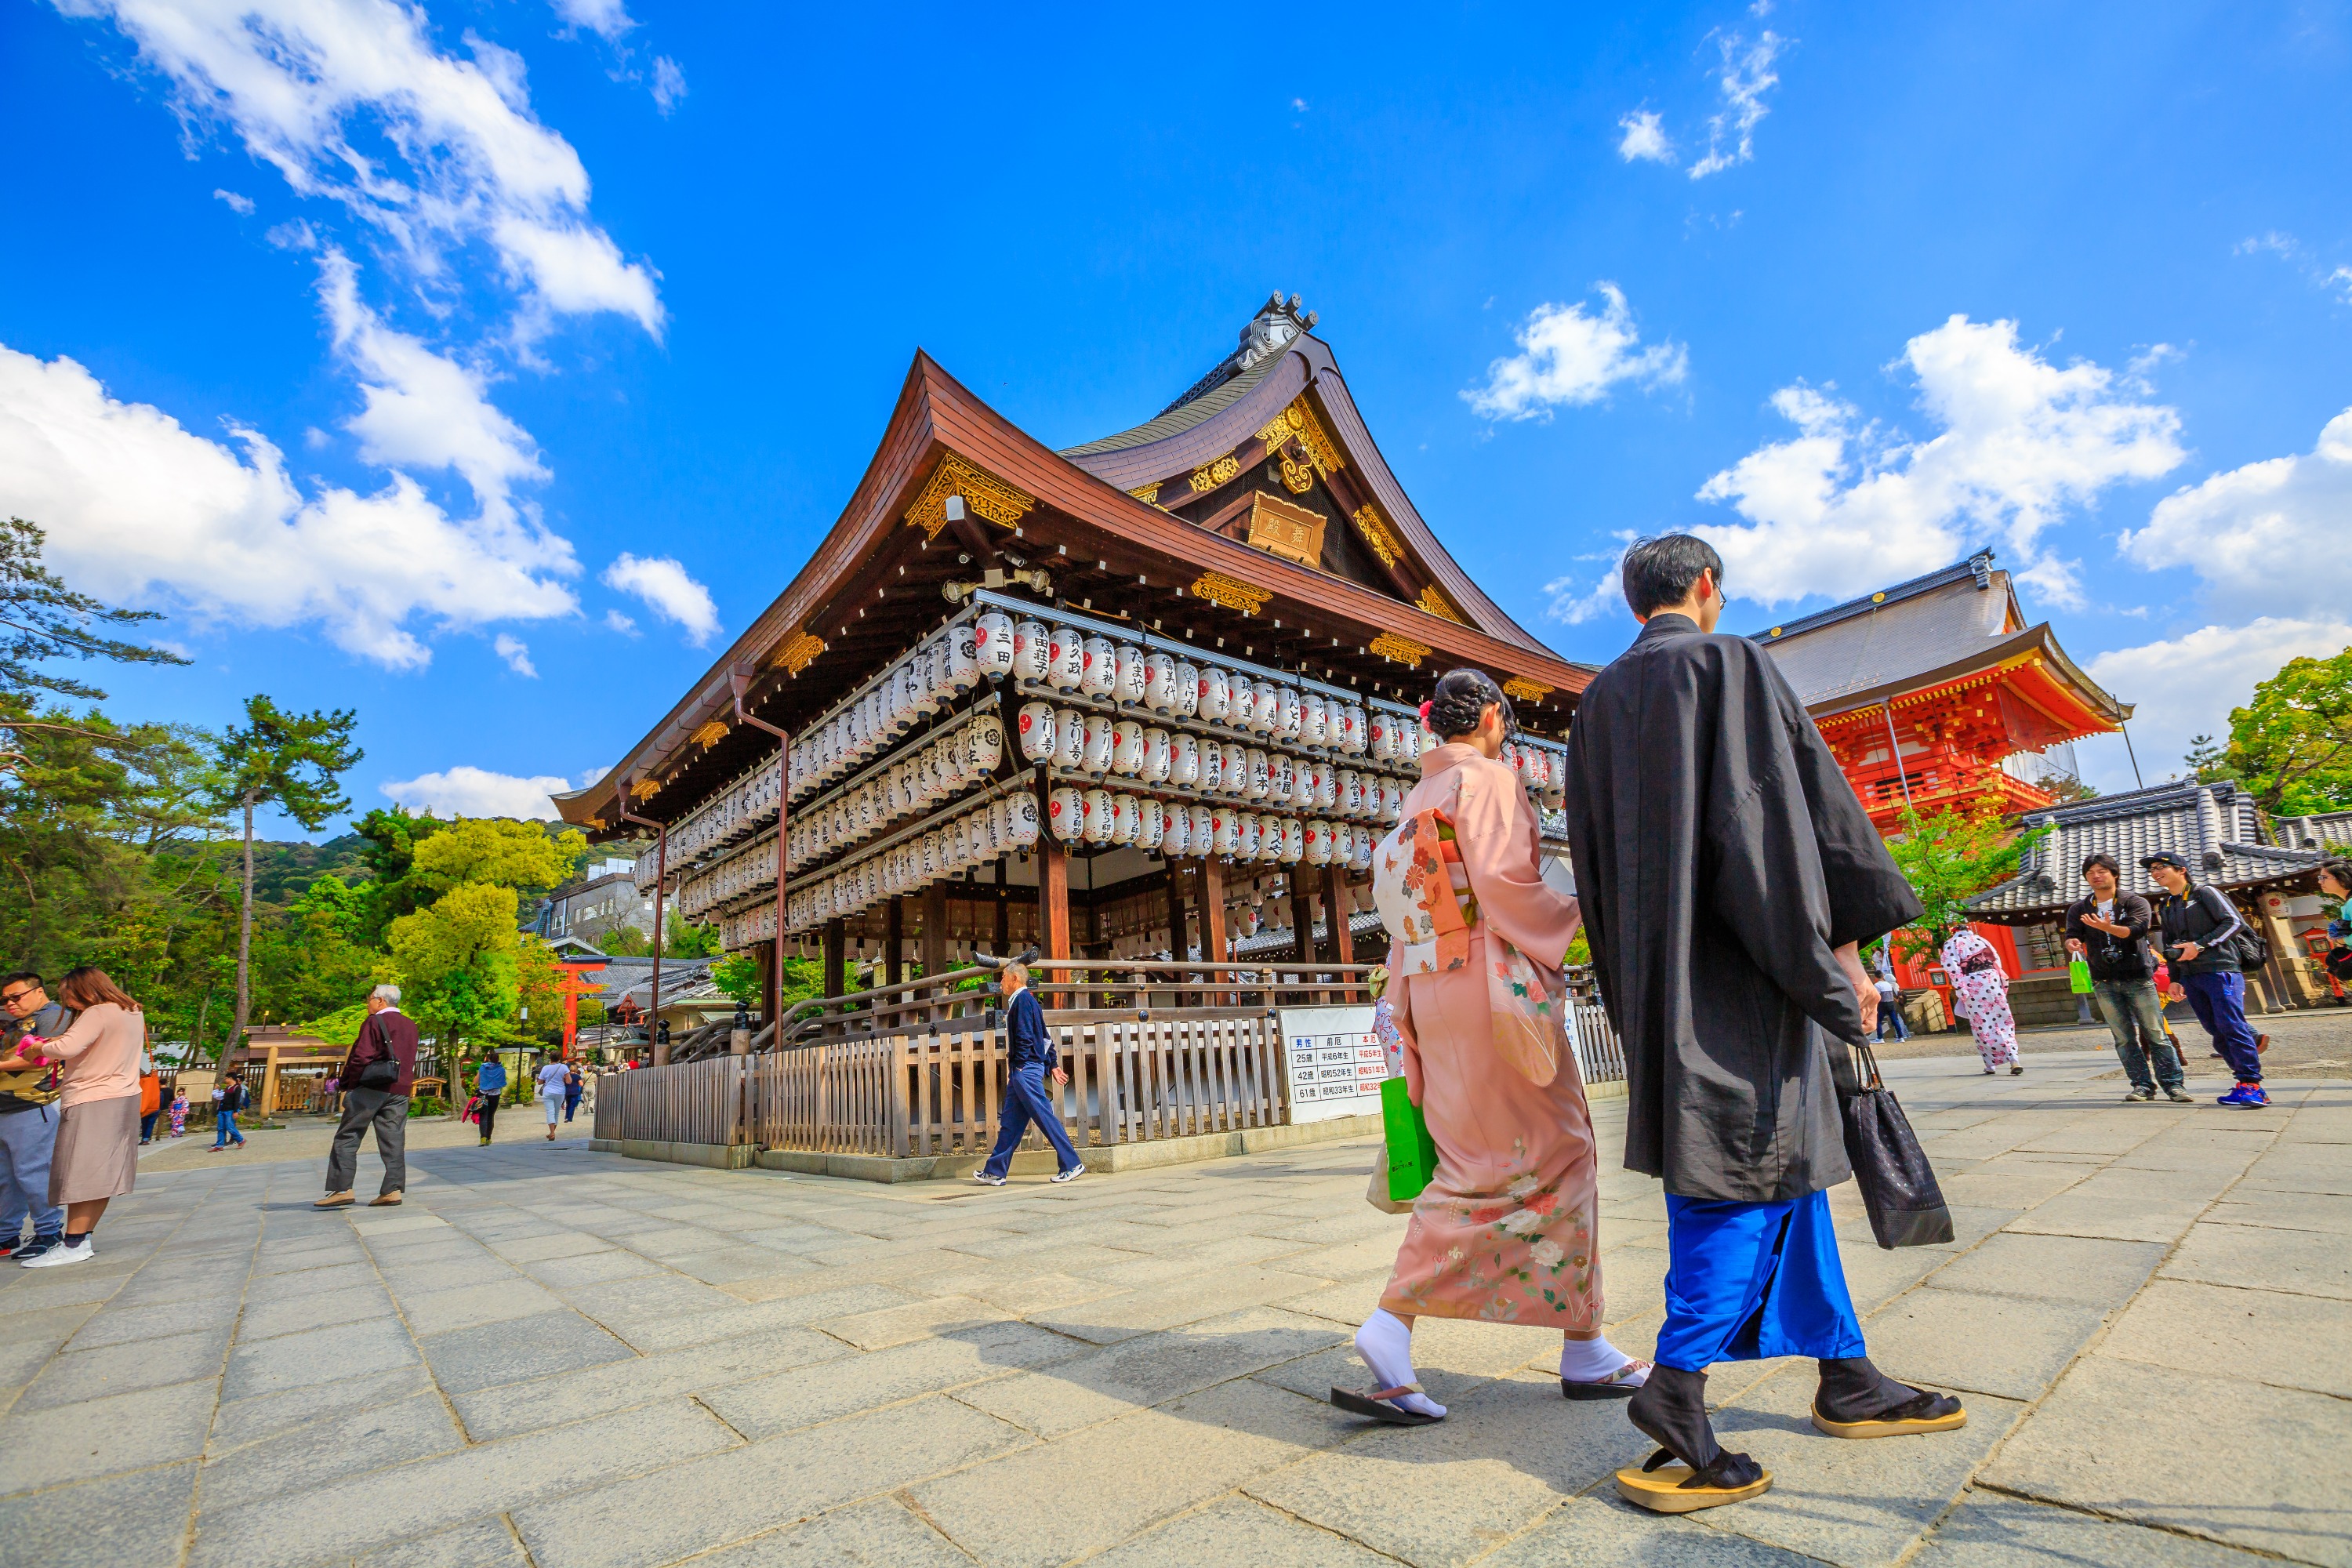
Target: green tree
(497, 850)
(290, 761)
(2291, 745)
(1949, 859)
(389, 838)
(462, 957)
(2206, 759)
(42, 619)
(686, 940)
(624, 942)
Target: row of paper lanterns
(953, 660)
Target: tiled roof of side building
(2216, 828)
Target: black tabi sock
(1670, 1409)
(76, 1237)
(1853, 1390)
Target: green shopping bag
(2078, 977)
(1413, 1155)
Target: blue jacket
(492, 1079)
(1028, 1042)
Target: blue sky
(484, 367)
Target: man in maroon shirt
(377, 1077)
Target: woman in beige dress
(1508, 1229)
(97, 1156)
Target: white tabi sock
(1386, 1344)
(1589, 1360)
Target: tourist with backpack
(2208, 946)
(2108, 931)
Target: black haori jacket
(1720, 856)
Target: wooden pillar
(836, 954)
(1212, 924)
(1004, 941)
(1335, 911)
(770, 957)
(1176, 941)
(894, 942)
(935, 940)
(1054, 906)
(1302, 919)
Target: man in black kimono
(1727, 875)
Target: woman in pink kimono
(1507, 1229)
(1977, 976)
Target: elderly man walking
(1727, 875)
(377, 1076)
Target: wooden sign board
(1282, 527)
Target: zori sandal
(1666, 1485)
(1376, 1406)
(1927, 1413)
(1614, 1386)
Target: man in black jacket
(2108, 931)
(2200, 931)
(377, 1078)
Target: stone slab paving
(566, 1359)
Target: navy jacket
(1028, 1044)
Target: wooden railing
(684, 1102)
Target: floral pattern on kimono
(1985, 989)
(1508, 1229)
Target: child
(179, 1114)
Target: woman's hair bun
(1460, 696)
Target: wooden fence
(1134, 1077)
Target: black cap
(2163, 858)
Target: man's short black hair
(19, 977)
(2102, 858)
(1659, 573)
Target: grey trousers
(389, 1113)
(2131, 1007)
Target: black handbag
(1898, 1186)
(381, 1073)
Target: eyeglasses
(10, 998)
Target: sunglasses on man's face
(12, 997)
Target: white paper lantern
(1157, 756)
(1101, 733)
(1212, 767)
(1184, 755)
(1257, 780)
(1150, 824)
(992, 643)
(1127, 748)
(1294, 840)
(1125, 818)
(1069, 740)
(1032, 651)
(1216, 694)
(1037, 731)
(1188, 689)
(1225, 831)
(1314, 719)
(1201, 833)
(1316, 844)
(1176, 833)
(1098, 672)
(1159, 682)
(1352, 729)
(1289, 713)
(983, 746)
(1066, 814)
(1134, 680)
(1020, 820)
(1249, 835)
(1095, 819)
(1234, 769)
(1066, 660)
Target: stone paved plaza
(571, 1359)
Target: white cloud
(620, 623)
(607, 18)
(516, 653)
(351, 101)
(1843, 506)
(1744, 80)
(1645, 140)
(140, 510)
(241, 206)
(2268, 536)
(423, 409)
(2186, 686)
(466, 791)
(669, 83)
(667, 591)
(1568, 357)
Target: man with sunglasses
(28, 1121)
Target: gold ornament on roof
(1519, 689)
(1297, 423)
(983, 493)
(1373, 530)
(1231, 591)
(1211, 476)
(644, 788)
(1405, 650)
(1149, 495)
(710, 734)
(801, 652)
(1436, 604)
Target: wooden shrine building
(1093, 698)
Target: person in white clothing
(553, 1077)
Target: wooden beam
(894, 941)
(1053, 905)
(770, 957)
(836, 953)
(1003, 937)
(935, 935)
(1335, 908)
(1302, 918)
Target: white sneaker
(1072, 1174)
(81, 1253)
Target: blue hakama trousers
(1747, 1281)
